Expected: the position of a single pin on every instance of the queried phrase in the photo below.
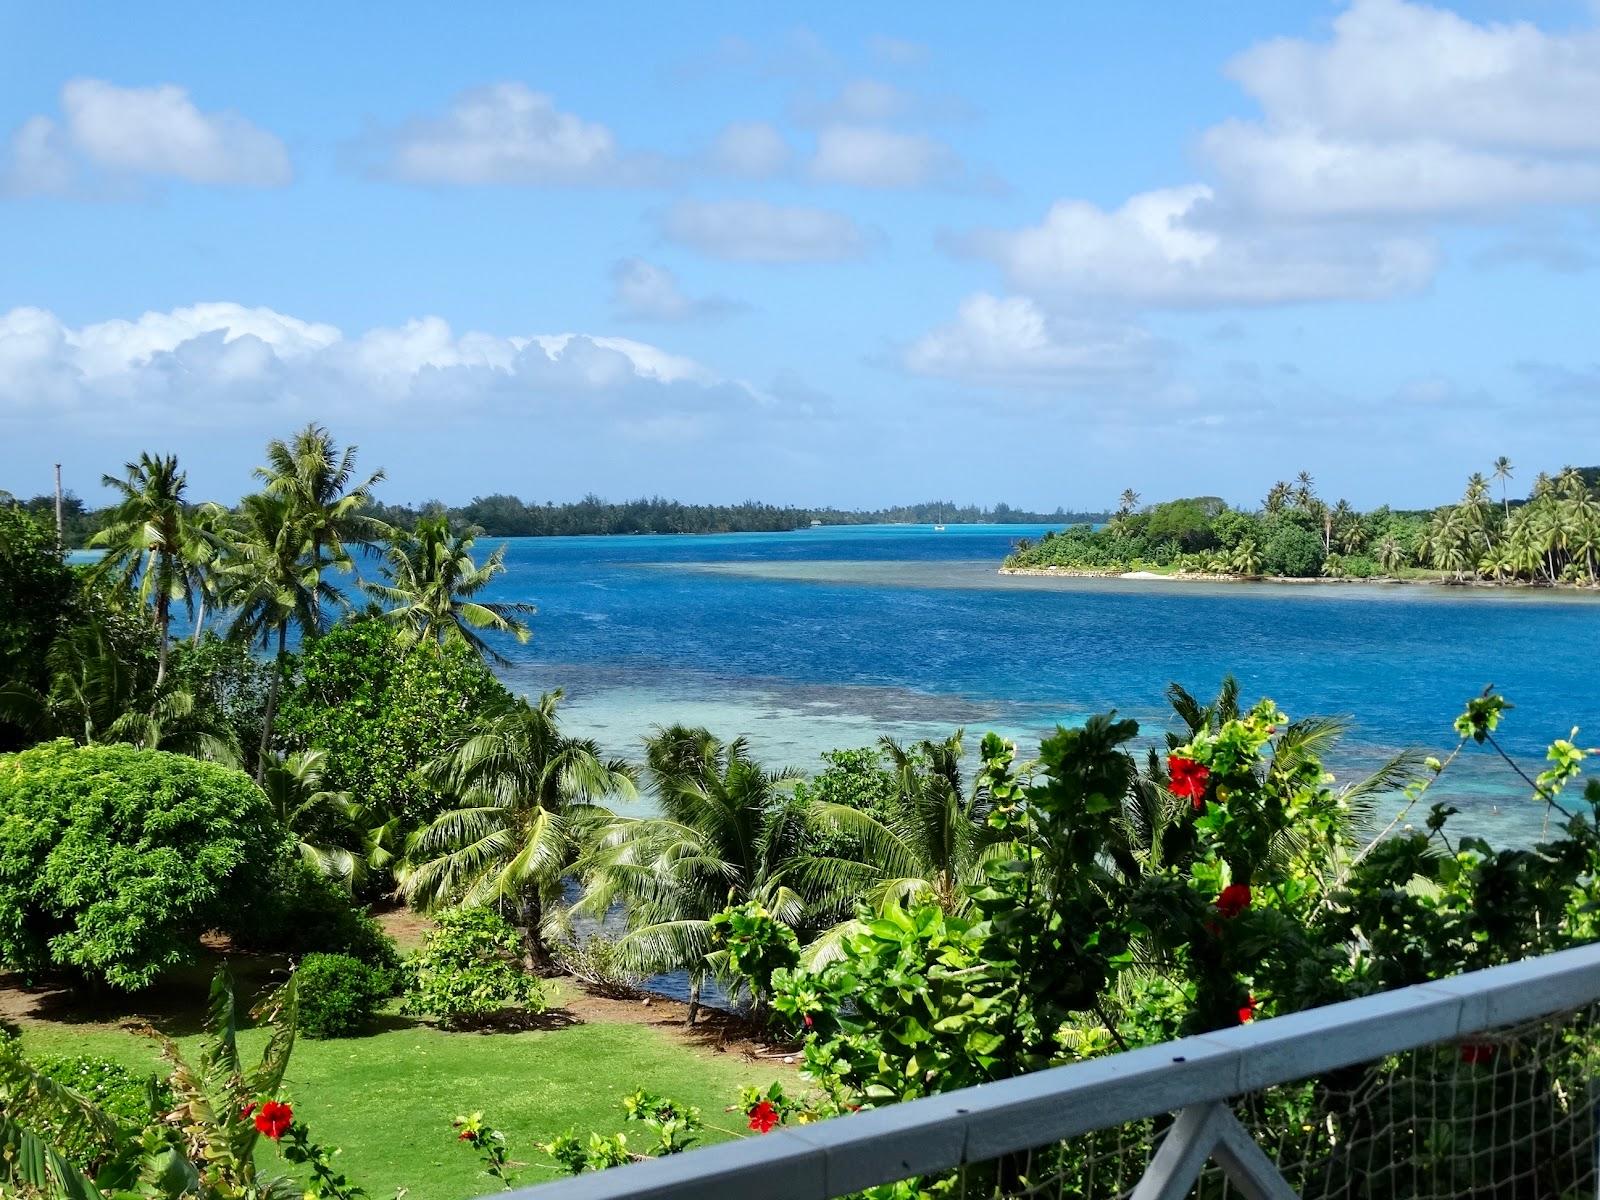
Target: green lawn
(388, 1099)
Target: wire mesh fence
(1484, 1085)
(1506, 1114)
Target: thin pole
(61, 541)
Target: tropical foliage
(381, 713)
(728, 831)
(526, 797)
(1550, 537)
(430, 583)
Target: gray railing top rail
(833, 1158)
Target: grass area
(388, 1099)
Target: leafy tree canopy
(382, 709)
(114, 860)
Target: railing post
(1203, 1132)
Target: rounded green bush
(339, 995)
(113, 861)
(470, 969)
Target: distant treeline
(508, 516)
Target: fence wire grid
(1508, 1114)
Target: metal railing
(1485, 1074)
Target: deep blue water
(827, 637)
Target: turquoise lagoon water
(829, 637)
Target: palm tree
(525, 795)
(431, 581)
(96, 696)
(1305, 490)
(1277, 497)
(1129, 501)
(316, 478)
(1475, 509)
(316, 816)
(729, 831)
(1448, 541)
(149, 540)
(210, 524)
(1502, 472)
(1246, 558)
(929, 847)
(1391, 554)
(1346, 525)
(271, 581)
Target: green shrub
(339, 995)
(381, 711)
(113, 861)
(470, 968)
(1292, 551)
(302, 912)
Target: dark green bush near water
(339, 995)
(1293, 551)
(113, 861)
(299, 912)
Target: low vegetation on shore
(1551, 537)
(905, 921)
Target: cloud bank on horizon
(1347, 237)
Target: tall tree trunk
(272, 702)
(530, 913)
(694, 997)
(199, 621)
(164, 619)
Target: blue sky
(810, 254)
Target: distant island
(1549, 538)
(508, 516)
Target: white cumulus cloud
(507, 133)
(756, 231)
(1011, 341)
(155, 132)
(1412, 109)
(224, 364)
(1160, 249)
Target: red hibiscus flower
(809, 1021)
(1247, 1010)
(1188, 780)
(274, 1119)
(247, 1110)
(1234, 900)
(1476, 1053)
(763, 1117)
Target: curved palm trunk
(199, 621)
(272, 702)
(694, 997)
(530, 914)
